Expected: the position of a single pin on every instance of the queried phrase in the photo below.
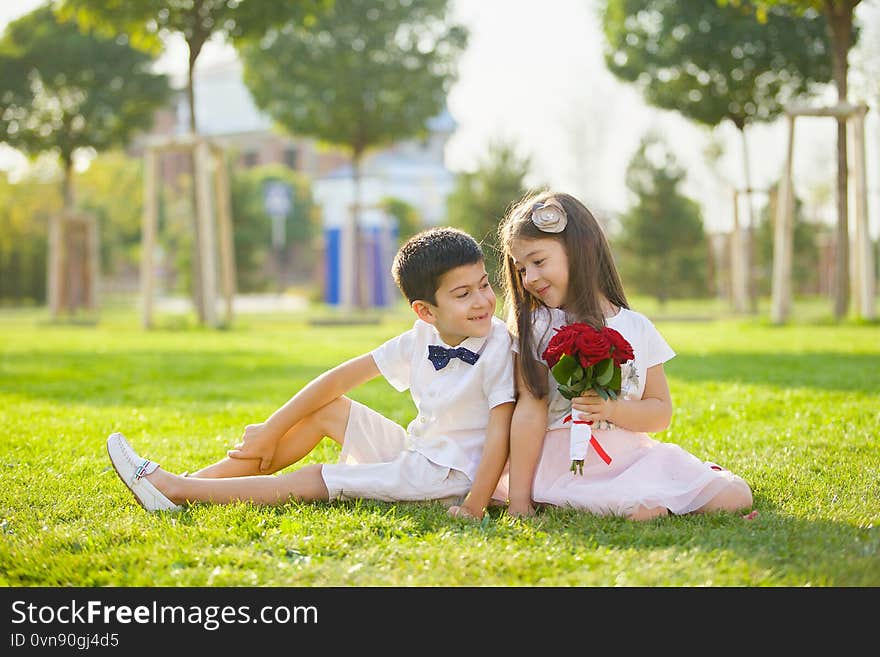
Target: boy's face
(465, 304)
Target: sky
(533, 75)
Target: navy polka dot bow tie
(440, 356)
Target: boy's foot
(133, 469)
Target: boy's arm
(527, 428)
(491, 465)
(259, 440)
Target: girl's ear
(423, 312)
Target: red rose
(623, 350)
(560, 344)
(592, 346)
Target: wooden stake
(148, 235)
(207, 244)
(782, 237)
(224, 221)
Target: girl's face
(543, 269)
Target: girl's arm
(259, 440)
(527, 429)
(491, 465)
(650, 414)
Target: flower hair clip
(549, 216)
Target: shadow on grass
(826, 370)
(780, 549)
(150, 377)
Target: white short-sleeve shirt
(453, 403)
(649, 348)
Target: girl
(558, 269)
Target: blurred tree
(711, 62)
(481, 198)
(364, 74)
(65, 91)
(839, 15)
(663, 249)
(148, 23)
(409, 221)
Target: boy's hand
(256, 443)
(593, 408)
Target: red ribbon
(595, 443)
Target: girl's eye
(540, 262)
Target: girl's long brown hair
(592, 274)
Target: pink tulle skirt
(643, 472)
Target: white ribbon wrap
(579, 437)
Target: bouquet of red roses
(582, 358)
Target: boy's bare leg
(330, 420)
(306, 484)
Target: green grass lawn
(795, 410)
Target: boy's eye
(463, 295)
(485, 285)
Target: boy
(456, 362)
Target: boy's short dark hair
(426, 256)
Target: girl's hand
(592, 407)
(256, 443)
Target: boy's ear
(423, 311)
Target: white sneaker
(132, 469)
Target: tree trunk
(55, 259)
(198, 294)
(839, 14)
(361, 280)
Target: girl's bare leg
(330, 420)
(646, 513)
(306, 484)
(736, 496)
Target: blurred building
(413, 171)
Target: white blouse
(649, 348)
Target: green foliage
(252, 226)
(748, 396)
(481, 198)
(712, 62)
(409, 222)
(663, 249)
(363, 74)
(65, 90)
(25, 208)
(146, 21)
(112, 189)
